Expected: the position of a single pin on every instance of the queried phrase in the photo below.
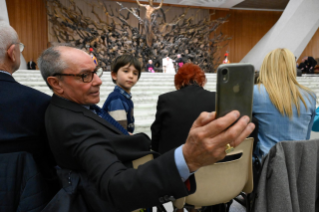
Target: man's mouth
(96, 93)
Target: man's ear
(12, 53)
(54, 82)
(114, 75)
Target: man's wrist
(181, 164)
(191, 166)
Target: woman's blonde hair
(278, 75)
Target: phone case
(236, 91)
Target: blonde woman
(284, 109)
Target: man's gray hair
(8, 36)
(50, 63)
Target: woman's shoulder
(259, 89)
(312, 95)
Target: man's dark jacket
(311, 63)
(176, 112)
(31, 65)
(22, 127)
(81, 141)
(22, 186)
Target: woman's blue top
(274, 127)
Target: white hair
(50, 63)
(8, 36)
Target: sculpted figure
(147, 21)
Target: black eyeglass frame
(97, 71)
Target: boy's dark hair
(123, 60)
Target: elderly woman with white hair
(284, 109)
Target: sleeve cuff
(181, 164)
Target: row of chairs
(216, 184)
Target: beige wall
(247, 27)
(28, 18)
(312, 48)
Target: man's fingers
(210, 117)
(239, 131)
(247, 131)
(203, 119)
(221, 124)
(235, 132)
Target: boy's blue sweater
(120, 100)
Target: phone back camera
(224, 72)
(225, 75)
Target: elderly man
(21, 113)
(84, 142)
(21, 108)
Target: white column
(293, 30)
(4, 16)
(3, 11)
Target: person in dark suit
(310, 64)
(85, 143)
(177, 110)
(31, 65)
(22, 109)
(307, 65)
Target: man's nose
(97, 81)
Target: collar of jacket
(124, 93)
(192, 84)
(6, 77)
(69, 105)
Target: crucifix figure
(147, 22)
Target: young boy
(125, 72)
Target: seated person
(22, 110)
(177, 110)
(284, 109)
(307, 65)
(83, 142)
(150, 67)
(180, 62)
(311, 64)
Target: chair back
(141, 161)
(224, 180)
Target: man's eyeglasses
(21, 46)
(86, 77)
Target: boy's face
(126, 77)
